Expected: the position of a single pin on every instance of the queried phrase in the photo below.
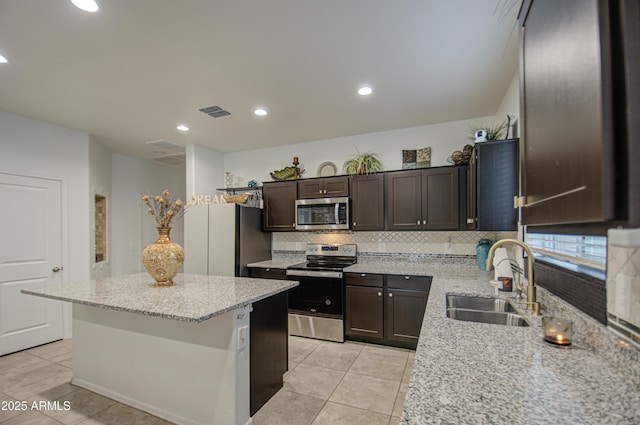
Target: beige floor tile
(399, 404)
(292, 366)
(52, 350)
(366, 392)
(300, 348)
(338, 356)
(395, 420)
(119, 414)
(17, 363)
(43, 369)
(313, 381)
(339, 414)
(381, 362)
(31, 417)
(49, 388)
(287, 408)
(12, 408)
(84, 404)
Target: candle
(557, 331)
(295, 160)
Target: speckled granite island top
(194, 298)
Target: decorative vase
(482, 252)
(228, 179)
(163, 258)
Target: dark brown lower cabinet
(385, 309)
(365, 306)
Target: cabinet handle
(379, 294)
(407, 277)
(363, 274)
(424, 221)
(390, 295)
(418, 223)
(268, 270)
(325, 191)
(320, 191)
(354, 224)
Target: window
(579, 249)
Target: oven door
(320, 293)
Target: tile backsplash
(623, 288)
(441, 243)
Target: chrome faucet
(532, 303)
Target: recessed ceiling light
(86, 5)
(365, 90)
(3, 59)
(182, 127)
(260, 111)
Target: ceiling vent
(171, 159)
(215, 111)
(163, 144)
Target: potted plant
(494, 131)
(363, 163)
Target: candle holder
(296, 173)
(557, 331)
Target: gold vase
(163, 258)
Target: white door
(30, 257)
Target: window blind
(579, 249)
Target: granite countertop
(278, 263)
(194, 298)
(477, 373)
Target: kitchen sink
(470, 302)
(493, 317)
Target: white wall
(510, 104)
(443, 139)
(99, 184)
(36, 148)
(133, 228)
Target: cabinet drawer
(418, 283)
(263, 273)
(364, 279)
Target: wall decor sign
(416, 158)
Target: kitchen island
(179, 352)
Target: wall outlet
(448, 247)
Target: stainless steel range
(316, 307)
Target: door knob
(56, 269)
(379, 294)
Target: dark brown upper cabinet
(279, 200)
(429, 199)
(323, 187)
(367, 202)
(493, 184)
(579, 99)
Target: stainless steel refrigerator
(221, 239)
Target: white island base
(184, 372)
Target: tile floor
(327, 383)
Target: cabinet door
(364, 311)
(404, 200)
(335, 187)
(279, 206)
(309, 189)
(405, 311)
(267, 273)
(497, 185)
(566, 103)
(367, 202)
(440, 198)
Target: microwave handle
(337, 213)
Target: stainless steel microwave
(322, 214)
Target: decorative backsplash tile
(449, 243)
(623, 291)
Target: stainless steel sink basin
(479, 303)
(493, 317)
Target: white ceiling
(133, 71)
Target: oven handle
(314, 273)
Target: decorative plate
(327, 169)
